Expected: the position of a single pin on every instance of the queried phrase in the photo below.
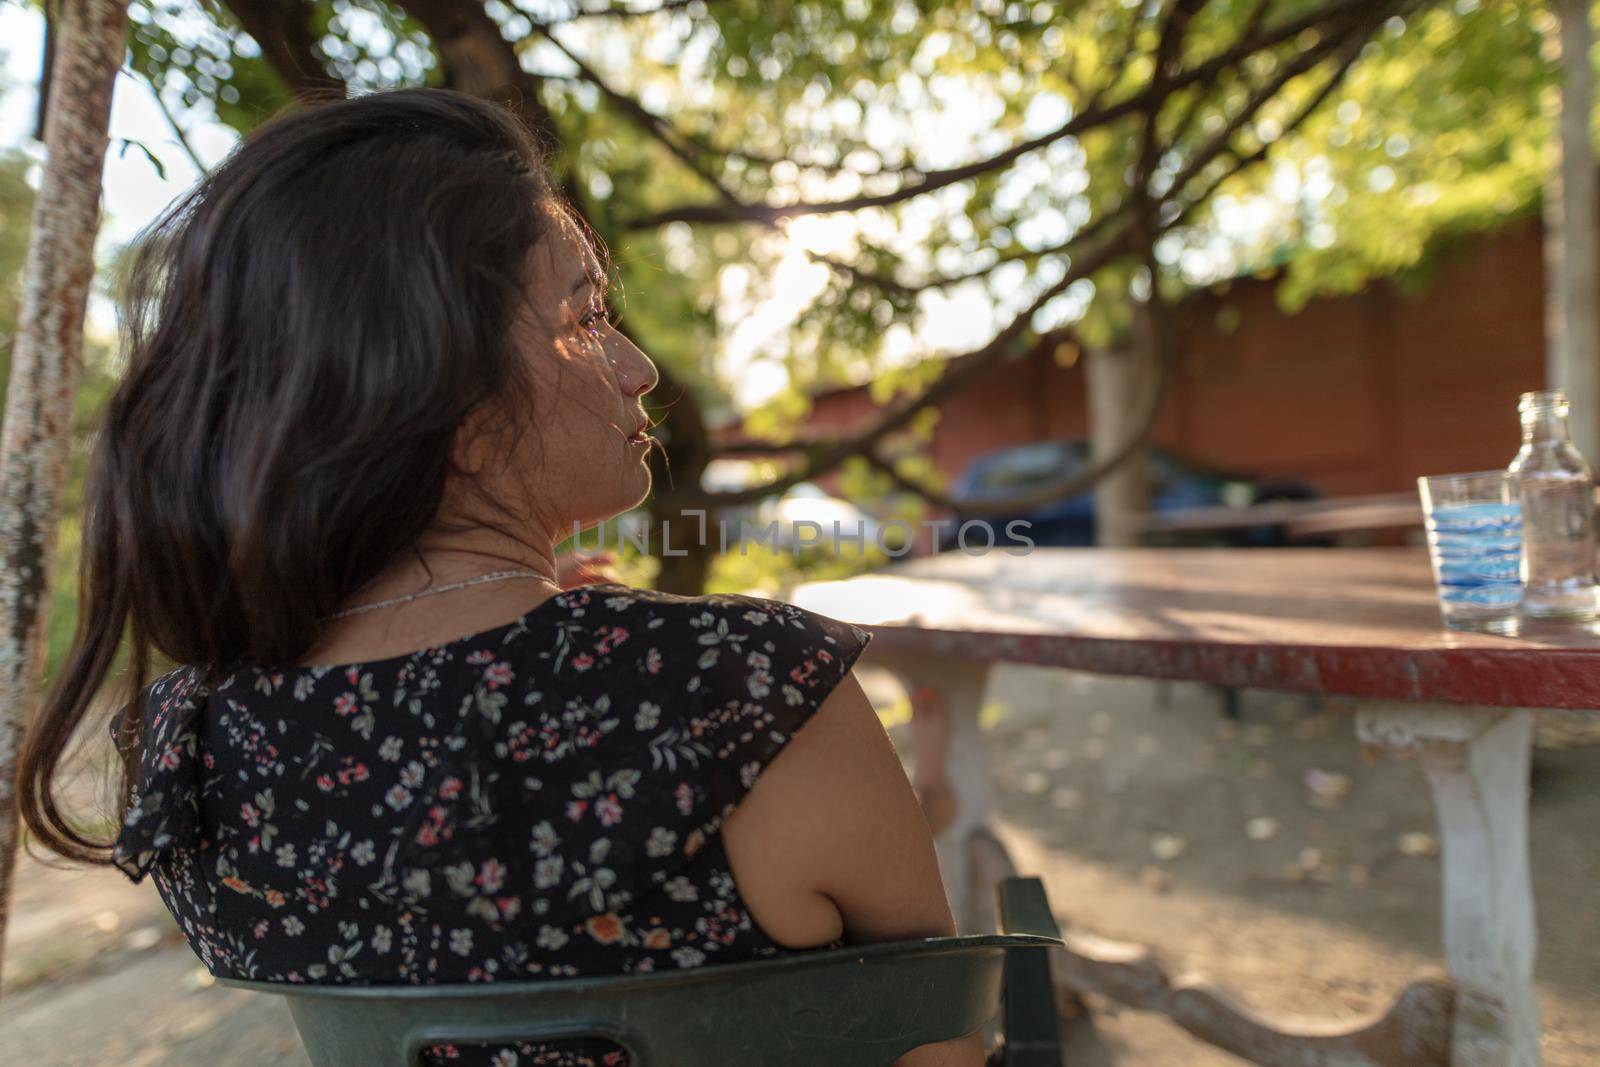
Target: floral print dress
(538, 800)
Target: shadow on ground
(1263, 853)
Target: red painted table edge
(1558, 678)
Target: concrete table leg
(951, 777)
(1476, 762)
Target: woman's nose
(637, 372)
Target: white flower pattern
(382, 816)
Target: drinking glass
(1474, 524)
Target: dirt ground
(1263, 853)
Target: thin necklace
(494, 576)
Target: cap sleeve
(763, 669)
(163, 811)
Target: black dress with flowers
(536, 801)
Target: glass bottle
(1556, 489)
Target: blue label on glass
(1477, 553)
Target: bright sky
(756, 310)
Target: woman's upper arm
(831, 838)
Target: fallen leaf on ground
(1167, 846)
(1261, 828)
(1418, 844)
(142, 938)
(1327, 789)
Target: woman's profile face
(579, 459)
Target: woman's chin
(635, 499)
(639, 482)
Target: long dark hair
(305, 331)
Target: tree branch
(693, 149)
(1155, 317)
(1152, 315)
(657, 127)
(1161, 74)
(1087, 232)
(959, 371)
(1219, 144)
(618, 12)
(911, 485)
(700, 141)
(966, 368)
(282, 30)
(1331, 12)
(477, 59)
(46, 69)
(172, 121)
(1161, 334)
(1209, 152)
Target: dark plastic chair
(862, 1006)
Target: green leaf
(155, 160)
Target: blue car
(1175, 484)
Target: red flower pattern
(555, 840)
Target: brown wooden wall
(1362, 394)
(1356, 394)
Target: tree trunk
(1114, 399)
(1572, 281)
(684, 530)
(45, 365)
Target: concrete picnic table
(1359, 623)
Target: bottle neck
(1544, 426)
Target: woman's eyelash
(597, 313)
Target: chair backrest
(862, 1006)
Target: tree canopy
(1443, 129)
(1015, 156)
